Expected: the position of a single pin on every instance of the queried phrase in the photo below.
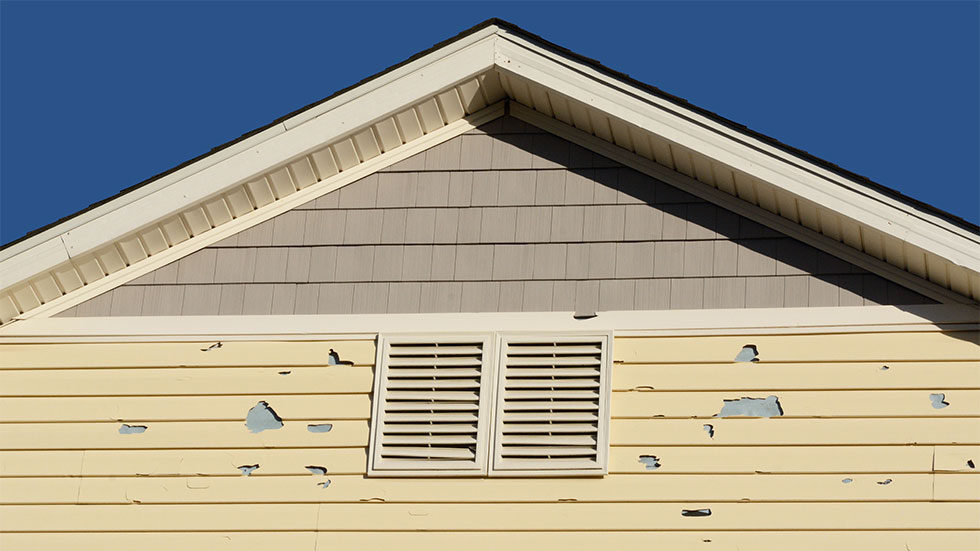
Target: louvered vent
(552, 405)
(432, 406)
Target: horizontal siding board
(497, 516)
(802, 348)
(632, 488)
(623, 432)
(237, 353)
(180, 434)
(778, 376)
(741, 460)
(492, 541)
(186, 381)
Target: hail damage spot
(262, 417)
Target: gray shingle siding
(502, 218)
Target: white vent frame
(517, 468)
(379, 466)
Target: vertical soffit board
(736, 169)
(440, 94)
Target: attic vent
(431, 406)
(552, 405)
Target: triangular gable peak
(449, 90)
(504, 218)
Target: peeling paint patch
(885, 368)
(585, 314)
(748, 353)
(285, 372)
(316, 469)
(247, 469)
(971, 464)
(132, 429)
(333, 358)
(212, 347)
(652, 462)
(325, 427)
(262, 417)
(710, 429)
(325, 484)
(847, 480)
(885, 482)
(695, 512)
(752, 407)
(938, 400)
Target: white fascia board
(930, 317)
(866, 206)
(297, 136)
(49, 252)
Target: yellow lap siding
(172, 354)
(623, 459)
(187, 381)
(493, 516)
(634, 488)
(797, 376)
(851, 347)
(494, 541)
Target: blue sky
(95, 97)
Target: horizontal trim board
(509, 516)
(692, 322)
(492, 541)
(610, 489)
(727, 431)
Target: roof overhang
(447, 90)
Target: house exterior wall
(864, 456)
(504, 218)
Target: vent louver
(551, 405)
(432, 405)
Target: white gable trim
(759, 321)
(105, 244)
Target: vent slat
(423, 440)
(550, 405)
(553, 383)
(405, 373)
(517, 362)
(520, 350)
(423, 452)
(550, 416)
(549, 440)
(434, 362)
(449, 417)
(436, 383)
(555, 394)
(431, 406)
(560, 427)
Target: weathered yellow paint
(495, 516)
(910, 540)
(842, 460)
(850, 347)
(625, 488)
(179, 354)
(798, 376)
(770, 483)
(643, 405)
(186, 381)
